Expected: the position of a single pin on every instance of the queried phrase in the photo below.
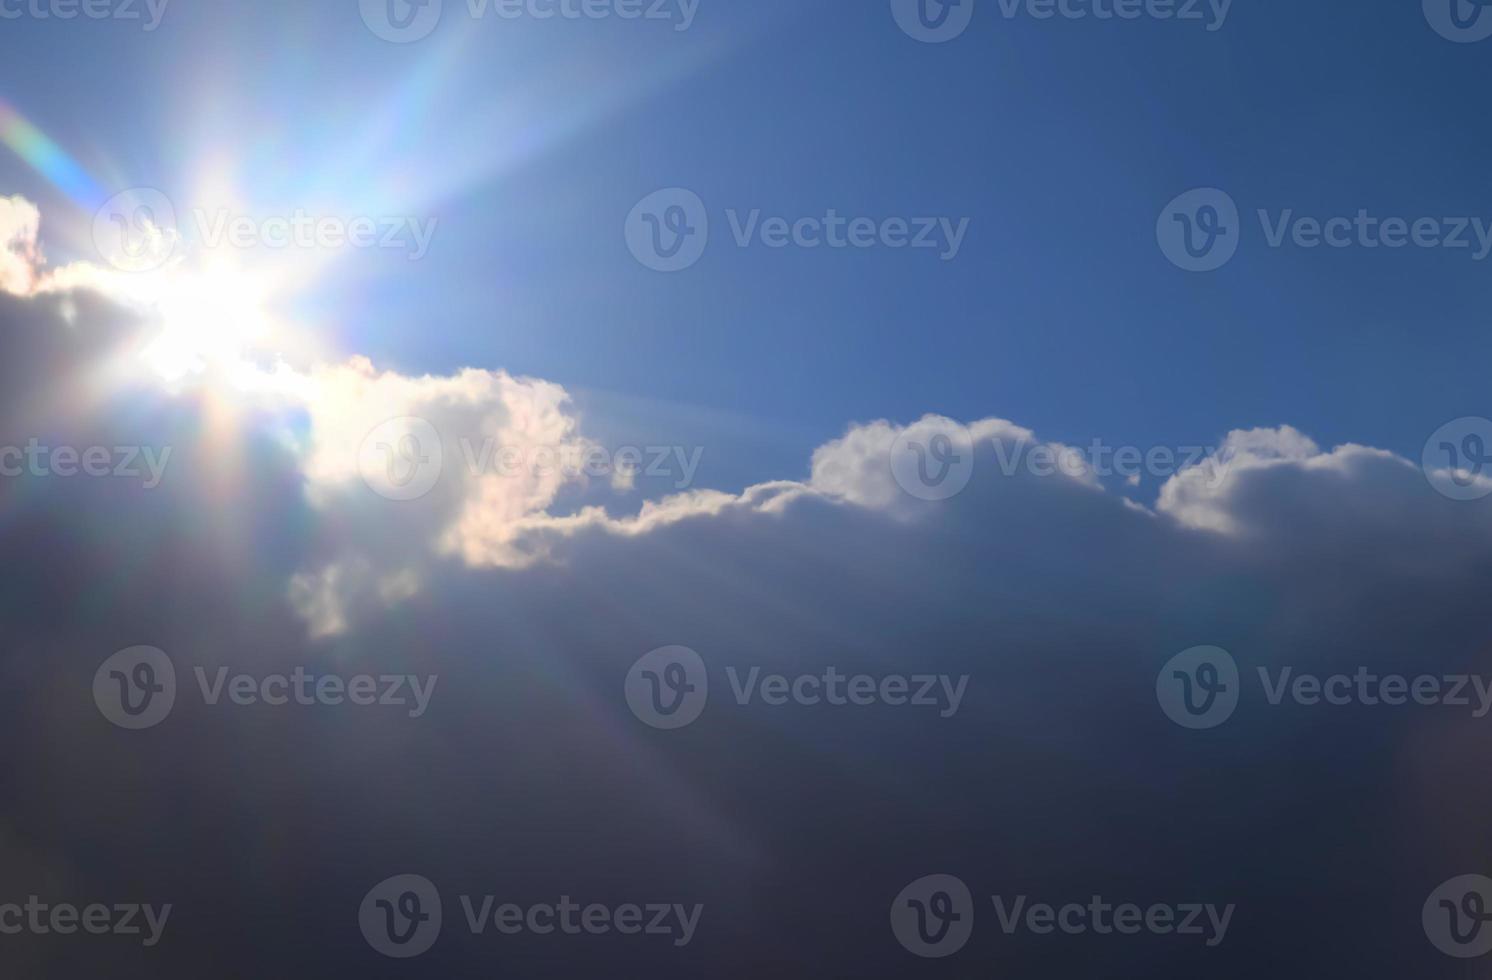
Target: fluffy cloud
(358, 421)
(19, 254)
(512, 490)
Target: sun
(208, 318)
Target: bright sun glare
(209, 309)
(209, 318)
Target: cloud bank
(269, 546)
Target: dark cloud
(529, 778)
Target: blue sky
(1059, 140)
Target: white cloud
(1205, 496)
(370, 553)
(20, 255)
